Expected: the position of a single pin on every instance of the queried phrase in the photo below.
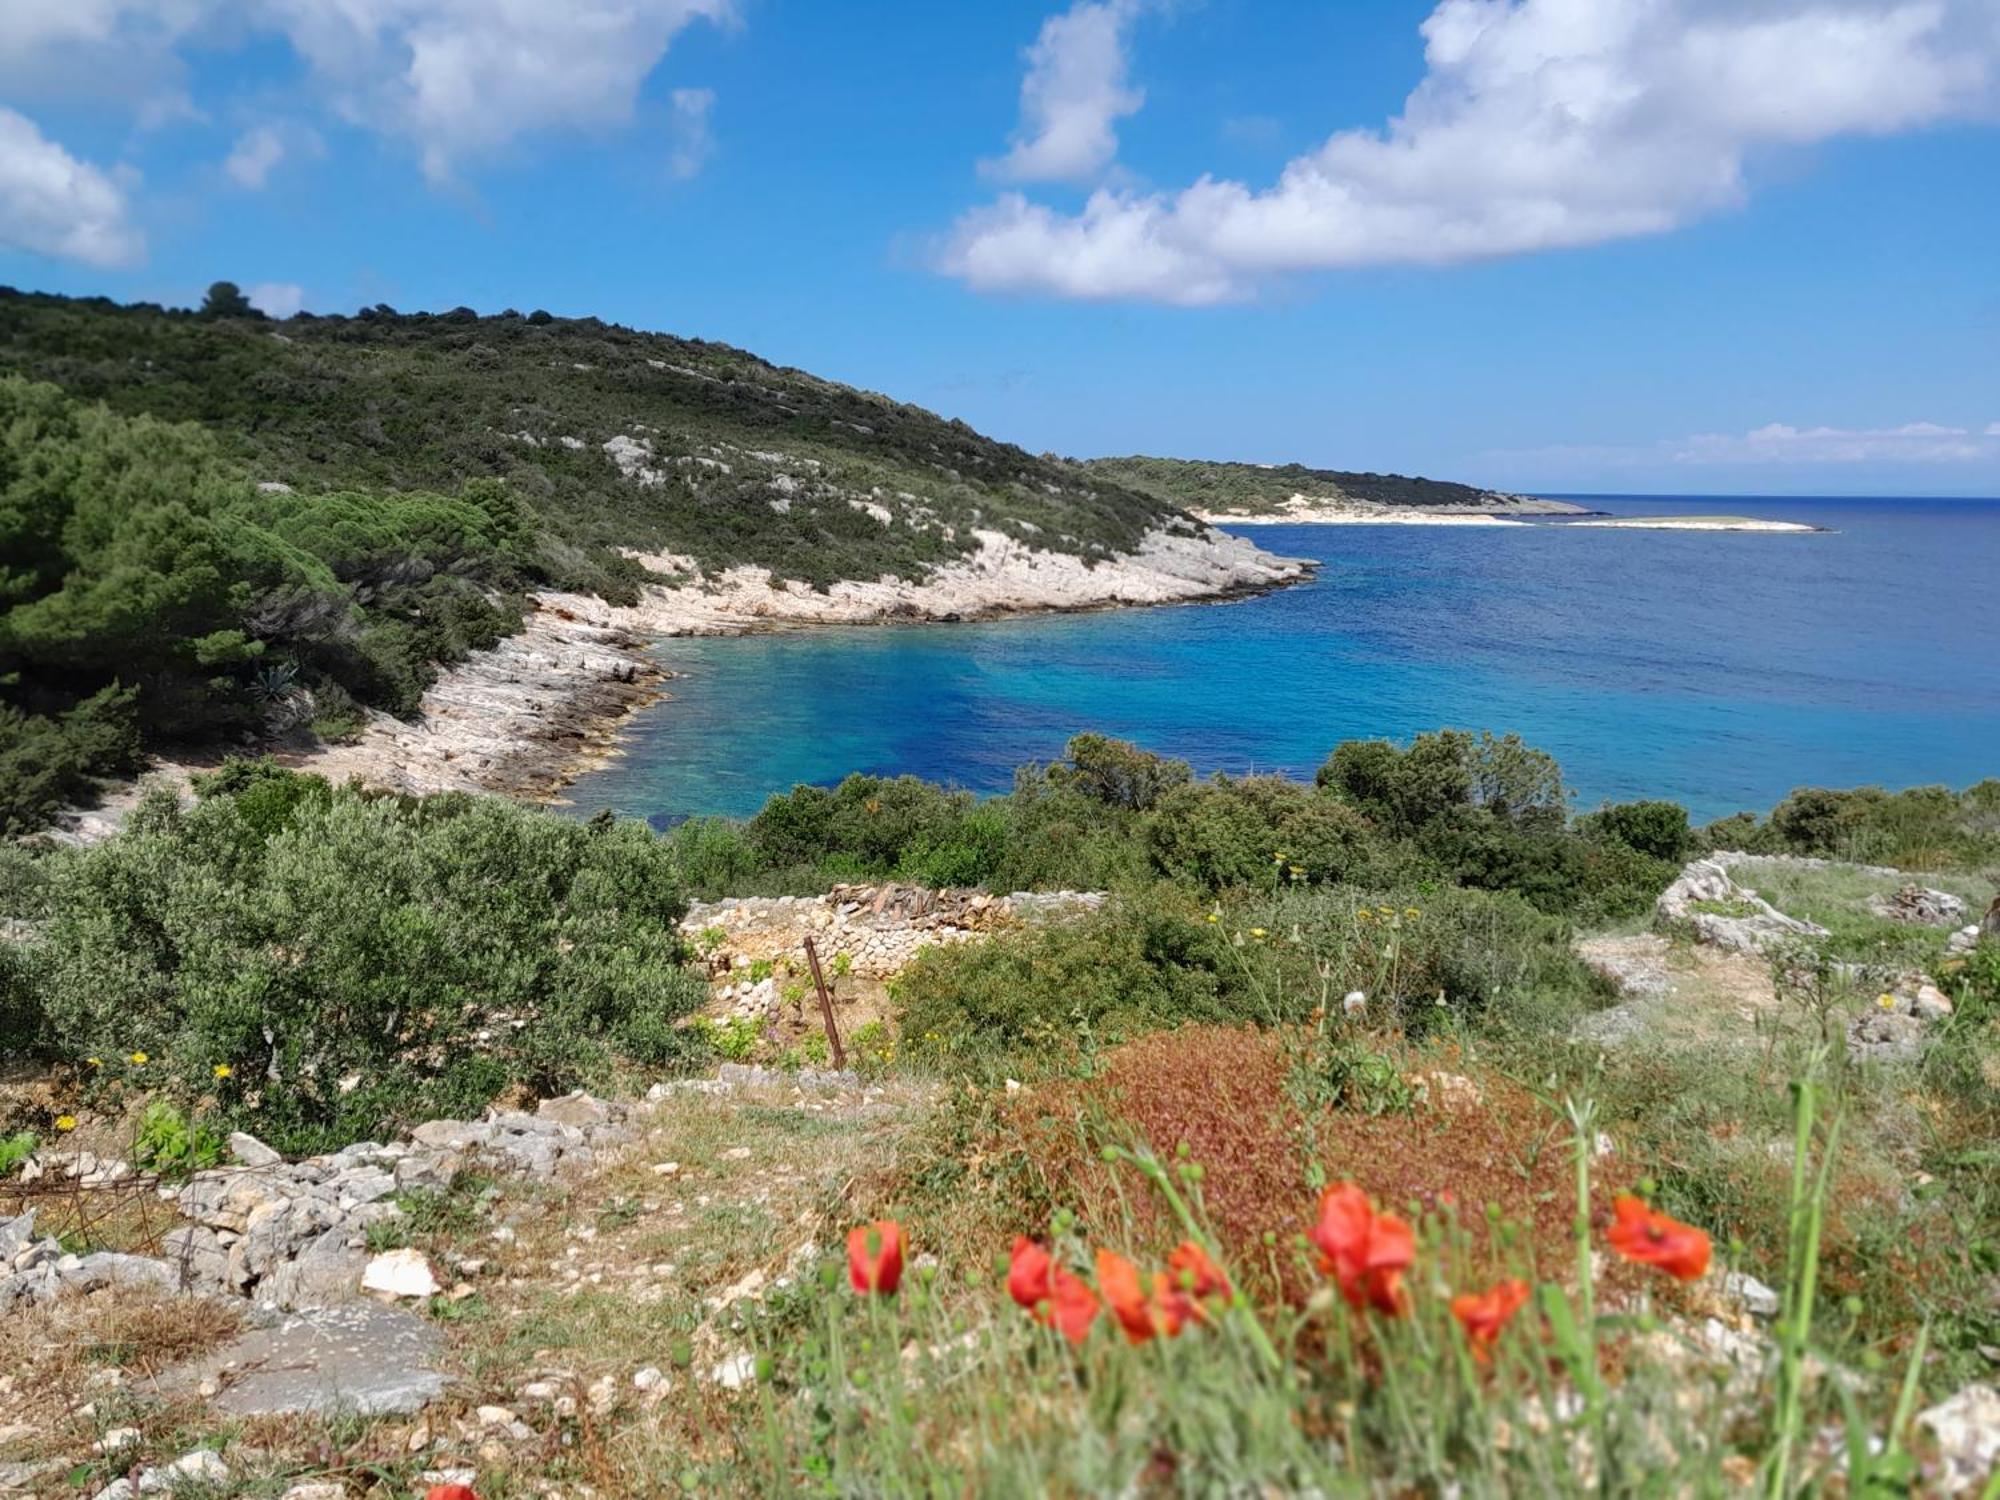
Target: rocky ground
(531, 1294)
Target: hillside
(620, 439)
(1251, 489)
(218, 528)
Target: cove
(1720, 670)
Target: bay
(1717, 669)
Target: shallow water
(1717, 669)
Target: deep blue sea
(1717, 669)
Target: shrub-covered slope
(1195, 484)
(617, 438)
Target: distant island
(1238, 494)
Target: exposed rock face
(364, 1359)
(879, 928)
(1920, 905)
(1705, 901)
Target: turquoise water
(1720, 670)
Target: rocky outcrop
(878, 928)
(1920, 906)
(1706, 902)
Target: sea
(1718, 669)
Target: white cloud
(53, 204)
(1073, 96)
(461, 80)
(280, 299)
(257, 152)
(261, 149)
(1780, 443)
(690, 143)
(1775, 446)
(1539, 124)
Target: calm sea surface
(1717, 669)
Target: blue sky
(1685, 246)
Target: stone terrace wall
(879, 927)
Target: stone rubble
(295, 1234)
(879, 928)
(1921, 906)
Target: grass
(1836, 897)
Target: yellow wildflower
(1887, 1002)
(94, 1062)
(1257, 932)
(1215, 916)
(139, 1059)
(1412, 913)
(65, 1122)
(223, 1070)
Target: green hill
(1194, 484)
(616, 438)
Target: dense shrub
(1921, 828)
(1260, 830)
(1403, 791)
(1658, 830)
(1142, 962)
(149, 588)
(354, 960)
(1117, 773)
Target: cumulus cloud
(53, 204)
(280, 299)
(463, 79)
(460, 80)
(690, 141)
(1073, 96)
(1538, 125)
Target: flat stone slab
(361, 1357)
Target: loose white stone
(400, 1273)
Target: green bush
(1142, 962)
(1658, 830)
(1259, 830)
(1439, 775)
(357, 960)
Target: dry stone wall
(880, 928)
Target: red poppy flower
(1197, 1275)
(1029, 1275)
(1484, 1314)
(875, 1257)
(1654, 1239)
(1155, 1309)
(450, 1492)
(1365, 1252)
(1056, 1298)
(1072, 1307)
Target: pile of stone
(1706, 902)
(295, 1234)
(1920, 906)
(1896, 1025)
(879, 928)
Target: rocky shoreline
(534, 713)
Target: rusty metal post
(826, 1006)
